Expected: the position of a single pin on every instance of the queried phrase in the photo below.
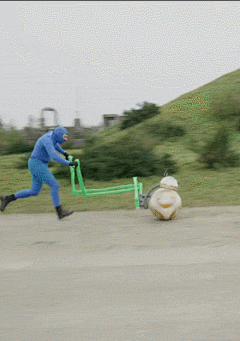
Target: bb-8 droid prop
(165, 202)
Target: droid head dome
(169, 182)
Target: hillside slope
(201, 113)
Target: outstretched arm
(59, 149)
(53, 154)
(62, 151)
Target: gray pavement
(121, 275)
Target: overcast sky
(104, 57)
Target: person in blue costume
(45, 149)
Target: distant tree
(31, 121)
(11, 126)
(1, 124)
(134, 116)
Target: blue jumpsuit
(45, 150)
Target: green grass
(198, 111)
(197, 187)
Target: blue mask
(58, 133)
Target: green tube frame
(136, 187)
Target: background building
(77, 133)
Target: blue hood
(57, 135)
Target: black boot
(61, 212)
(5, 200)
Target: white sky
(104, 57)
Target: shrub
(13, 142)
(123, 159)
(135, 116)
(217, 152)
(225, 105)
(237, 120)
(164, 130)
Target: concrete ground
(121, 276)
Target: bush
(225, 106)
(218, 153)
(164, 130)
(135, 116)
(238, 121)
(13, 142)
(123, 159)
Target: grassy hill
(201, 113)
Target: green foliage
(164, 130)
(238, 120)
(225, 105)
(217, 152)
(124, 158)
(1, 124)
(134, 116)
(90, 141)
(12, 142)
